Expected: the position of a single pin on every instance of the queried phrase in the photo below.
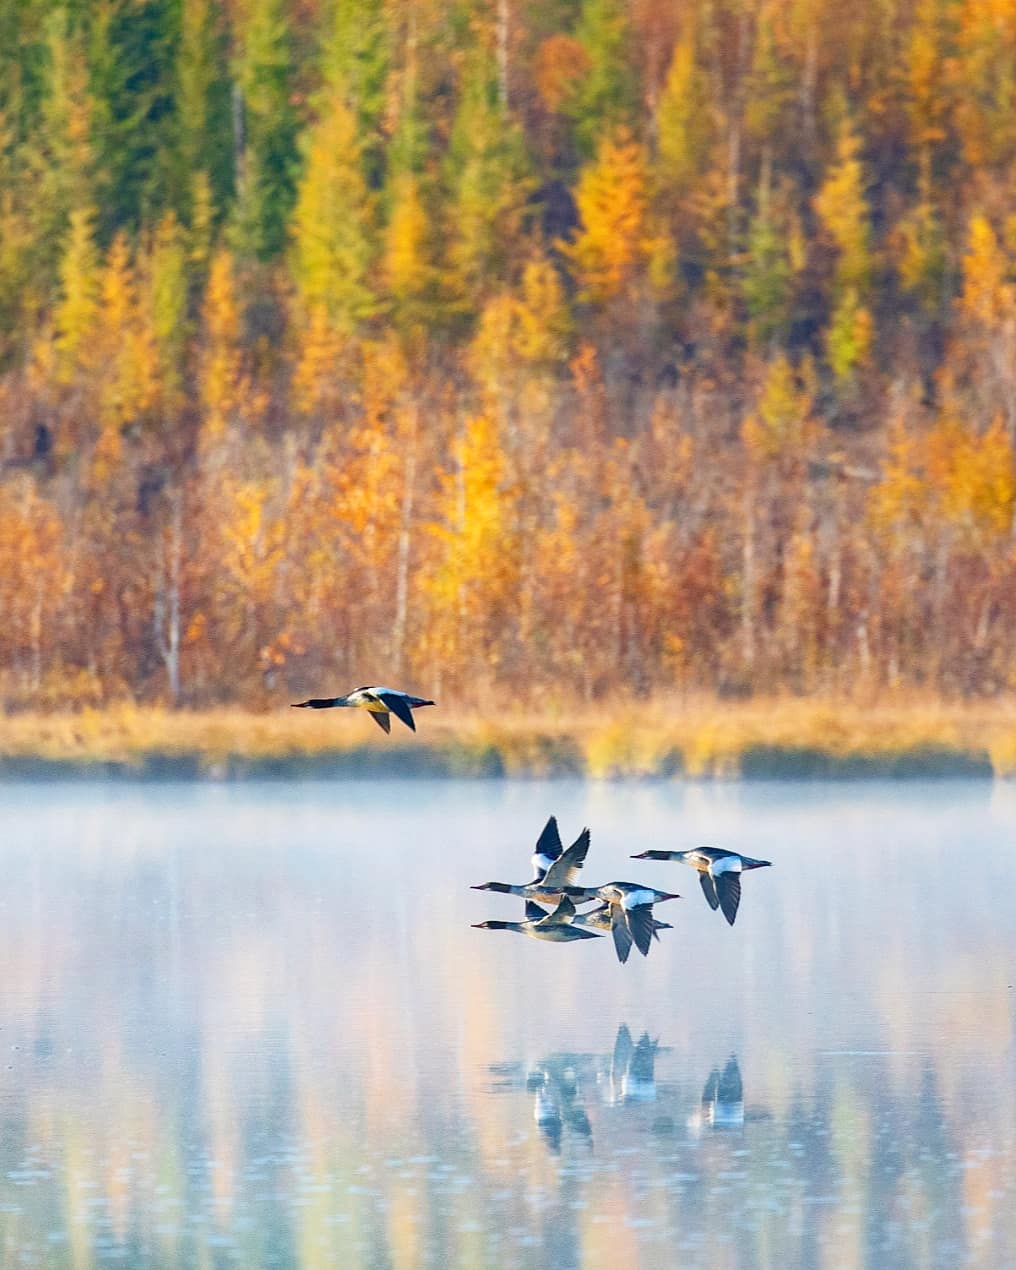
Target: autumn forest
(506, 350)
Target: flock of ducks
(625, 909)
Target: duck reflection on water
(567, 1086)
(555, 1107)
(722, 1107)
(563, 1083)
(632, 1075)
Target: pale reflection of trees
(211, 1061)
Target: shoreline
(780, 739)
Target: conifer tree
(264, 127)
(486, 173)
(203, 153)
(602, 98)
(842, 207)
(131, 87)
(332, 250)
(165, 303)
(77, 312)
(682, 120)
(61, 156)
(612, 203)
(221, 380)
(768, 269)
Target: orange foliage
(561, 63)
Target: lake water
(252, 1025)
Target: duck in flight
(602, 918)
(556, 927)
(381, 703)
(630, 906)
(553, 867)
(719, 873)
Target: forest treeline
(545, 350)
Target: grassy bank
(782, 738)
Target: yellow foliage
(849, 337)
(221, 386)
(520, 332)
(988, 292)
(921, 253)
(252, 541)
(365, 489)
(900, 495)
(973, 475)
(842, 207)
(130, 380)
(476, 565)
(612, 203)
(385, 373)
(77, 314)
(782, 426)
(543, 319)
(927, 101)
(331, 247)
(681, 119)
(950, 477)
(315, 386)
(983, 80)
(407, 270)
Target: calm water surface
(252, 1026)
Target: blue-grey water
(252, 1026)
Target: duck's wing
(728, 891)
(534, 913)
(640, 926)
(384, 721)
(560, 916)
(398, 703)
(565, 868)
(708, 890)
(622, 939)
(564, 912)
(548, 848)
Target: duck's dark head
(491, 925)
(503, 887)
(655, 855)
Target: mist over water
(251, 1025)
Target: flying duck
(601, 918)
(556, 926)
(382, 703)
(630, 906)
(719, 872)
(553, 867)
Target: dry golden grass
(698, 738)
